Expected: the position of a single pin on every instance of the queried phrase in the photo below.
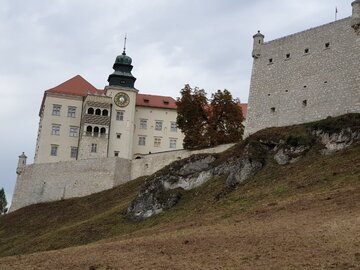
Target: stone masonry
(55, 181)
(306, 76)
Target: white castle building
(78, 121)
(90, 140)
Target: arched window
(105, 112)
(90, 111)
(96, 131)
(89, 130)
(98, 112)
(103, 130)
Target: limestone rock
(289, 155)
(151, 200)
(159, 192)
(245, 169)
(197, 166)
(282, 158)
(337, 141)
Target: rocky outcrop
(163, 190)
(288, 154)
(337, 141)
(287, 145)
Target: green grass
(100, 216)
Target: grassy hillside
(332, 180)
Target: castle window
(98, 112)
(143, 123)
(173, 127)
(89, 130)
(327, 45)
(325, 82)
(73, 152)
(270, 61)
(102, 131)
(56, 110)
(120, 115)
(142, 140)
(157, 141)
(55, 129)
(286, 91)
(74, 131)
(93, 148)
(268, 95)
(105, 112)
(173, 143)
(90, 111)
(116, 153)
(287, 55)
(158, 125)
(305, 86)
(54, 150)
(96, 131)
(272, 109)
(304, 103)
(118, 135)
(306, 50)
(71, 111)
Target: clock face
(121, 99)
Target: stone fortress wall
(47, 182)
(306, 76)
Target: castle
(90, 140)
(101, 137)
(78, 121)
(306, 76)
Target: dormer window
(146, 100)
(166, 102)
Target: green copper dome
(122, 72)
(123, 59)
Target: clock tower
(123, 94)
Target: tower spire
(124, 52)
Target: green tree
(3, 202)
(225, 119)
(192, 117)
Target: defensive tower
(258, 42)
(21, 164)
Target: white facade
(76, 126)
(54, 128)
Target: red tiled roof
(144, 100)
(76, 86)
(244, 109)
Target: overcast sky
(206, 43)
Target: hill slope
(300, 215)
